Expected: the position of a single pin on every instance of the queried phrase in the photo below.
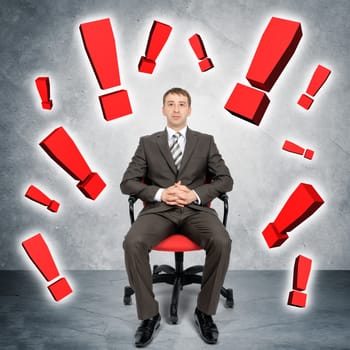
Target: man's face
(176, 110)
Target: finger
(184, 189)
(180, 194)
(170, 198)
(181, 201)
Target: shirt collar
(172, 132)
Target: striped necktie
(176, 150)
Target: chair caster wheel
(155, 270)
(229, 299)
(127, 300)
(128, 292)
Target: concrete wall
(42, 38)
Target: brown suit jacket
(153, 161)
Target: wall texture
(42, 38)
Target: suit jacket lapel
(162, 139)
(191, 141)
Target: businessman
(176, 163)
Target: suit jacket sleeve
(218, 172)
(132, 180)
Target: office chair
(178, 277)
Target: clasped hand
(178, 194)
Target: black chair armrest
(224, 198)
(132, 199)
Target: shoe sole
(201, 334)
(152, 337)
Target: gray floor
(94, 316)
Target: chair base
(178, 277)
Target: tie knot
(176, 135)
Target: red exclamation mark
(276, 47)
(39, 253)
(43, 87)
(294, 148)
(38, 196)
(62, 149)
(302, 268)
(301, 204)
(199, 49)
(101, 49)
(158, 36)
(319, 77)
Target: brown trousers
(203, 228)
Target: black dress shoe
(145, 333)
(206, 327)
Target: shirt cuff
(158, 196)
(198, 200)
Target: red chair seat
(177, 243)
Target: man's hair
(178, 91)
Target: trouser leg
(210, 234)
(146, 232)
